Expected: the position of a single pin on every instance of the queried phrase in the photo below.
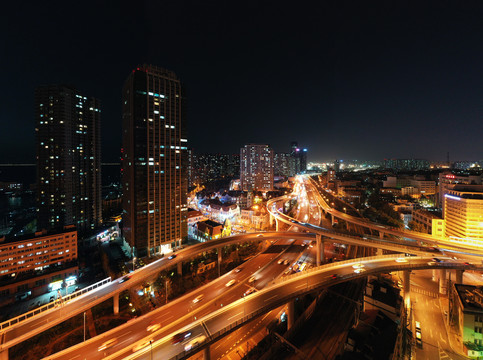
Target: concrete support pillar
(116, 303)
(381, 235)
(322, 252)
(379, 252)
(179, 269)
(459, 276)
(290, 314)
(206, 353)
(219, 260)
(318, 250)
(4, 354)
(443, 283)
(434, 276)
(407, 288)
(276, 225)
(271, 219)
(332, 219)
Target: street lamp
(151, 343)
(84, 326)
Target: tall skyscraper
(300, 157)
(68, 131)
(154, 161)
(256, 167)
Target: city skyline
(394, 81)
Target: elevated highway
(16, 333)
(221, 322)
(409, 243)
(467, 246)
(47, 316)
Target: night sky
(346, 79)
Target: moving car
(252, 279)
(280, 261)
(180, 337)
(141, 345)
(286, 262)
(107, 344)
(248, 292)
(124, 278)
(153, 327)
(195, 342)
(419, 339)
(230, 283)
(172, 256)
(198, 298)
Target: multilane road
(26, 329)
(221, 322)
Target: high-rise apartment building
(154, 161)
(210, 167)
(256, 167)
(300, 157)
(463, 213)
(68, 158)
(284, 165)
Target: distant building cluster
(211, 167)
(406, 164)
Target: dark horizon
(346, 82)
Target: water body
(26, 174)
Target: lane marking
(234, 316)
(274, 296)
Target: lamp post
(84, 326)
(151, 343)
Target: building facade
(466, 313)
(463, 213)
(447, 179)
(34, 264)
(68, 158)
(256, 167)
(299, 157)
(154, 161)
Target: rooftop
(470, 296)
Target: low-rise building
(208, 230)
(35, 264)
(256, 216)
(466, 313)
(382, 296)
(429, 221)
(216, 210)
(192, 219)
